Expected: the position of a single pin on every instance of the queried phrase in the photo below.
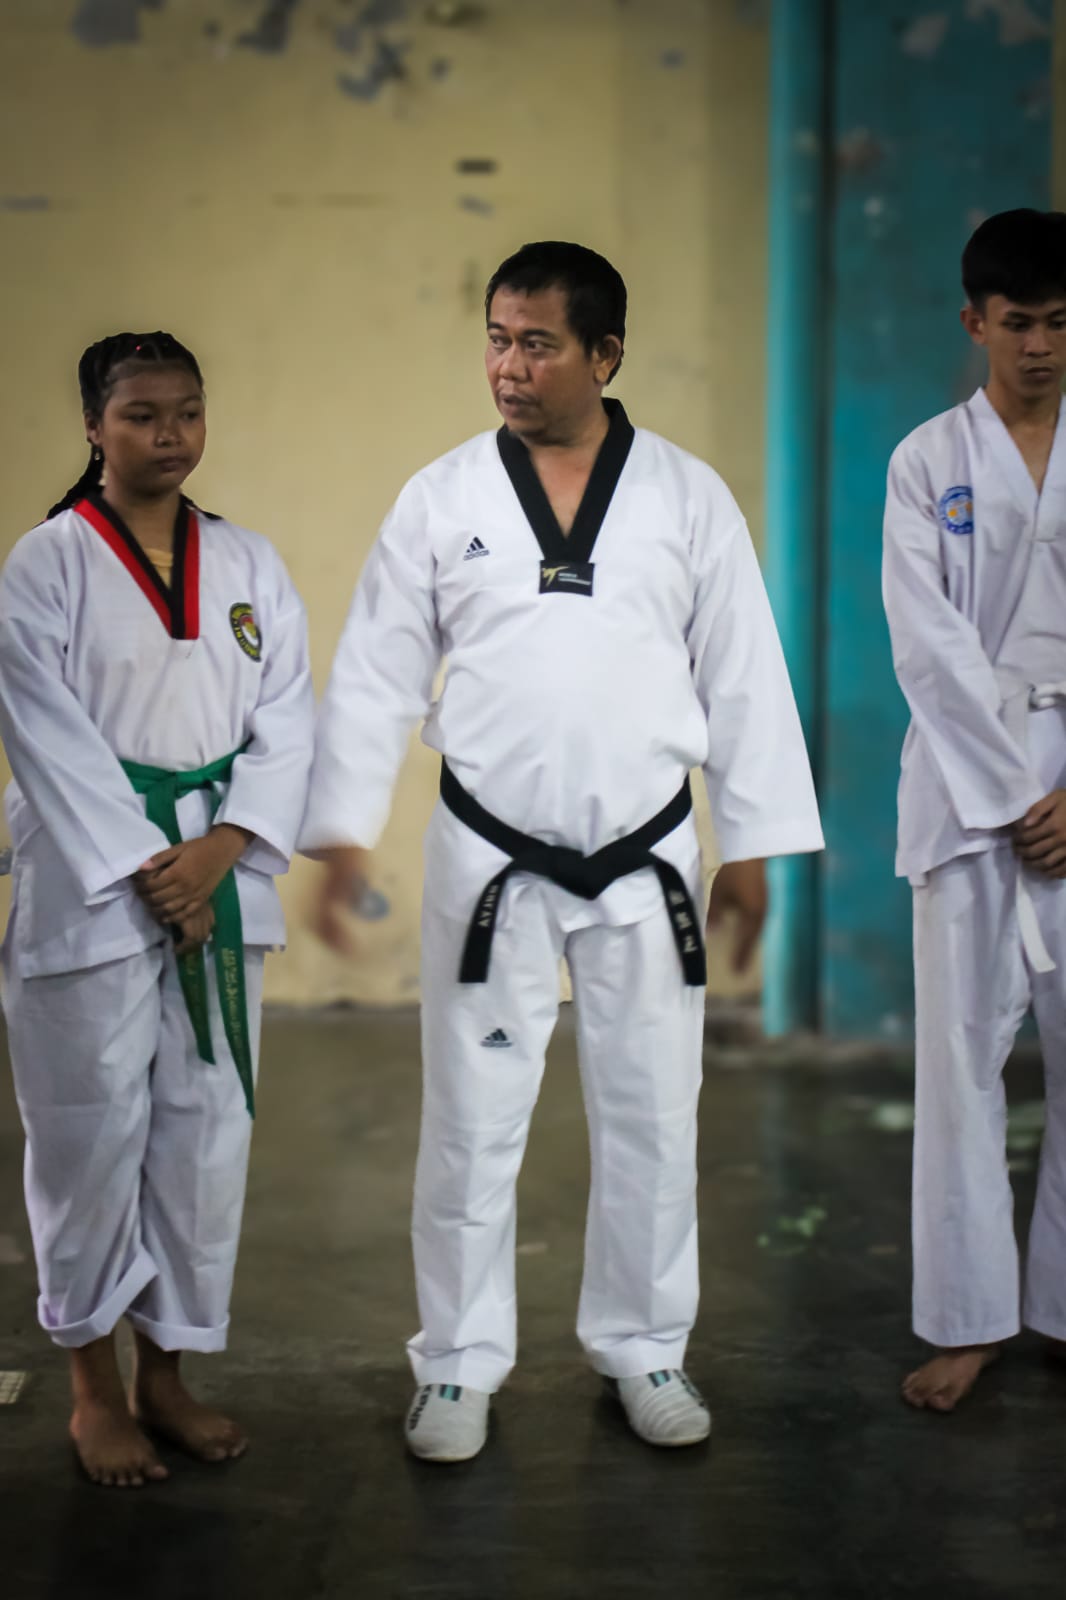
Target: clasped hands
(1040, 836)
(177, 884)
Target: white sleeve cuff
(759, 844)
(112, 879)
(269, 851)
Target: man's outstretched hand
(339, 889)
(740, 889)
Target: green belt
(162, 790)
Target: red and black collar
(178, 604)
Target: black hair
(98, 372)
(595, 291)
(1019, 254)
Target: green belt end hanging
(162, 790)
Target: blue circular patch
(956, 510)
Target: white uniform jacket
(975, 594)
(100, 662)
(572, 713)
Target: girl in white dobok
(156, 709)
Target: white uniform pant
(973, 986)
(640, 1041)
(136, 1150)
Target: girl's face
(152, 431)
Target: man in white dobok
(975, 591)
(595, 592)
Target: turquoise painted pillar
(941, 117)
(800, 139)
(894, 130)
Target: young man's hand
(740, 888)
(337, 894)
(195, 931)
(1040, 837)
(178, 883)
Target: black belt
(587, 876)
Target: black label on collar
(571, 577)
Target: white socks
(447, 1422)
(664, 1408)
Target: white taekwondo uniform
(137, 1148)
(579, 693)
(975, 592)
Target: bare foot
(948, 1378)
(111, 1447)
(160, 1401)
(173, 1412)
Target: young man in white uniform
(975, 591)
(595, 592)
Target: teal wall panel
(941, 117)
(895, 129)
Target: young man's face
(543, 380)
(1026, 344)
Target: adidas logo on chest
(476, 548)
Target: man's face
(542, 378)
(1026, 344)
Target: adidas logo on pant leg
(474, 549)
(496, 1040)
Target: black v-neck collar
(177, 604)
(599, 491)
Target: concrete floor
(818, 1482)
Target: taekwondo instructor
(594, 591)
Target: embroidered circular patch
(956, 510)
(247, 635)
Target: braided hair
(99, 371)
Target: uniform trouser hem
(171, 1336)
(639, 1357)
(963, 1338)
(103, 1321)
(1047, 1330)
(471, 1372)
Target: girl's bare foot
(111, 1448)
(160, 1400)
(941, 1383)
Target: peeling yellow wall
(292, 207)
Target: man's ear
(607, 359)
(973, 321)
